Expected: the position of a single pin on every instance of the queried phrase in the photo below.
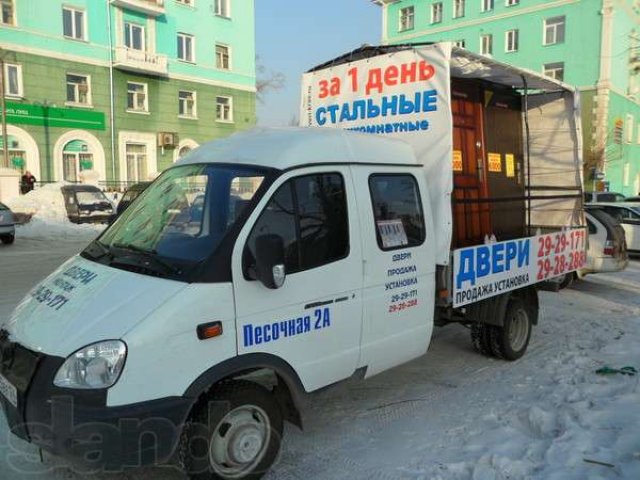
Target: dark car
(130, 195)
(86, 204)
(592, 197)
(7, 224)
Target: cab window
(397, 210)
(310, 214)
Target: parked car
(86, 204)
(606, 249)
(628, 215)
(7, 224)
(635, 199)
(130, 195)
(592, 197)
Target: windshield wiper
(150, 254)
(104, 250)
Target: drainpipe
(111, 94)
(603, 85)
(3, 108)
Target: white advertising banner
(403, 94)
(484, 271)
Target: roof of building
(284, 148)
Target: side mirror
(269, 268)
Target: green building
(592, 44)
(123, 87)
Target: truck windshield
(185, 213)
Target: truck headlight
(95, 366)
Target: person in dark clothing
(28, 182)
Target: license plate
(8, 391)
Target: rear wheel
(8, 239)
(481, 338)
(233, 434)
(512, 339)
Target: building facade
(123, 87)
(592, 44)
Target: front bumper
(7, 229)
(78, 425)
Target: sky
(294, 35)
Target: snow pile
(48, 214)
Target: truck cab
(256, 270)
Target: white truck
(276, 262)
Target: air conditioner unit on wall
(167, 139)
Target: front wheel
(565, 280)
(512, 339)
(234, 434)
(8, 239)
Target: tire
(8, 239)
(566, 280)
(510, 341)
(234, 433)
(481, 339)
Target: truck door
(399, 265)
(314, 320)
(471, 218)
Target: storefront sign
(29, 114)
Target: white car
(628, 214)
(7, 225)
(607, 247)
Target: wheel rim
(239, 441)
(519, 330)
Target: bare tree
(267, 80)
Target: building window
(554, 70)
(136, 158)
(460, 43)
(511, 41)
(186, 50)
(78, 89)
(186, 2)
(223, 8)
(397, 211)
(7, 12)
(487, 5)
(17, 154)
(134, 36)
(628, 126)
(137, 97)
(13, 80)
(626, 174)
(458, 8)
(73, 23)
(554, 28)
(486, 44)
(511, 3)
(405, 18)
(76, 157)
(223, 57)
(224, 109)
(187, 104)
(436, 12)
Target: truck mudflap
(484, 271)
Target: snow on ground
(49, 215)
(450, 415)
